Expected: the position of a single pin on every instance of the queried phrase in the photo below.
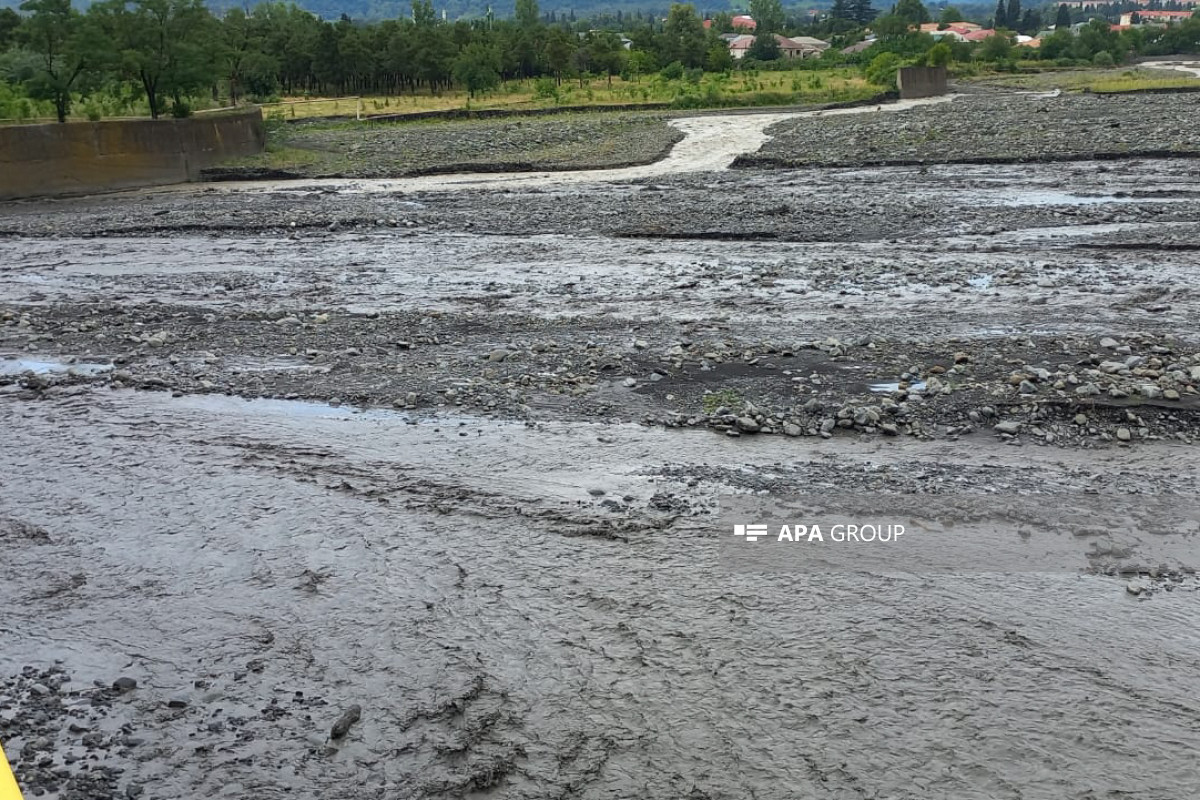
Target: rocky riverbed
(356, 489)
(994, 128)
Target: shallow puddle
(21, 366)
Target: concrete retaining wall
(86, 157)
(915, 82)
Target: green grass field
(710, 91)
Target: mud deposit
(273, 452)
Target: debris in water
(340, 728)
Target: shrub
(1103, 59)
(545, 89)
(939, 55)
(672, 71)
(882, 69)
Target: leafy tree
(400, 58)
(435, 57)
(768, 16)
(1063, 19)
(950, 15)
(862, 12)
(1001, 20)
(882, 69)
(163, 45)
(1095, 37)
(939, 55)
(841, 9)
(423, 15)
(526, 14)
(996, 47)
(606, 54)
(639, 63)
(891, 27)
(1057, 45)
(65, 49)
(723, 22)
(291, 37)
(357, 55)
(9, 22)
(560, 52)
(477, 68)
(683, 37)
(912, 11)
(243, 57)
(1013, 14)
(764, 48)
(719, 58)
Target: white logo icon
(751, 532)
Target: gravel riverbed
(993, 128)
(369, 489)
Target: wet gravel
(955, 303)
(342, 493)
(918, 204)
(1000, 128)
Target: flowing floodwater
(505, 631)
(1190, 67)
(530, 605)
(711, 142)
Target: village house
(799, 47)
(740, 23)
(957, 31)
(1153, 16)
(1096, 3)
(858, 47)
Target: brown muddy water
(526, 601)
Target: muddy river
(258, 474)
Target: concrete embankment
(86, 157)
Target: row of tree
(167, 51)
(172, 49)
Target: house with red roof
(740, 23)
(980, 35)
(1150, 15)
